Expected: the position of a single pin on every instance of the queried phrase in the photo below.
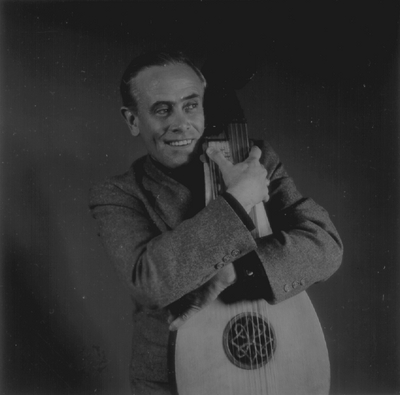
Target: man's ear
(131, 120)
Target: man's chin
(179, 163)
(181, 160)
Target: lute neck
(234, 143)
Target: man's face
(170, 115)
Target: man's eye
(162, 111)
(191, 106)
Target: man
(164, 242)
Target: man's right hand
(246, 181)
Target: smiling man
(168, 247)
(169, 115)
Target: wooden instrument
(249, 346)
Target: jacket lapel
(171, 199)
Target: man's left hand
(203, 296)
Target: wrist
(239, 210)
(241, 200)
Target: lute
(249, 346)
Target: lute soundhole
(249, 341)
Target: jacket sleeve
(304, 247)
(161, 265)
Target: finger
(178, 322)
(266, 197)
(218, 157)
(255, 153)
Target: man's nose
(180, 122)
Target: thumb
(218, 157)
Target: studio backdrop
(325, 95)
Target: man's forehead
(172, 80)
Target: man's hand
(203, 296)
(246, 181)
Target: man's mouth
(179, 143)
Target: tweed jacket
(162, 250)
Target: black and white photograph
(200, 197)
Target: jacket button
(249, 273)
(295, 284)
(235, 253)
(219, 266)
(287, 288)
(226, 258)
(302, 282)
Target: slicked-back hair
(149, 59)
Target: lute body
(298, 364)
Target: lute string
(241, 143)
(236, 149)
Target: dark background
(325, 96)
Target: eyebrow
(167, 102)
(192, 96)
